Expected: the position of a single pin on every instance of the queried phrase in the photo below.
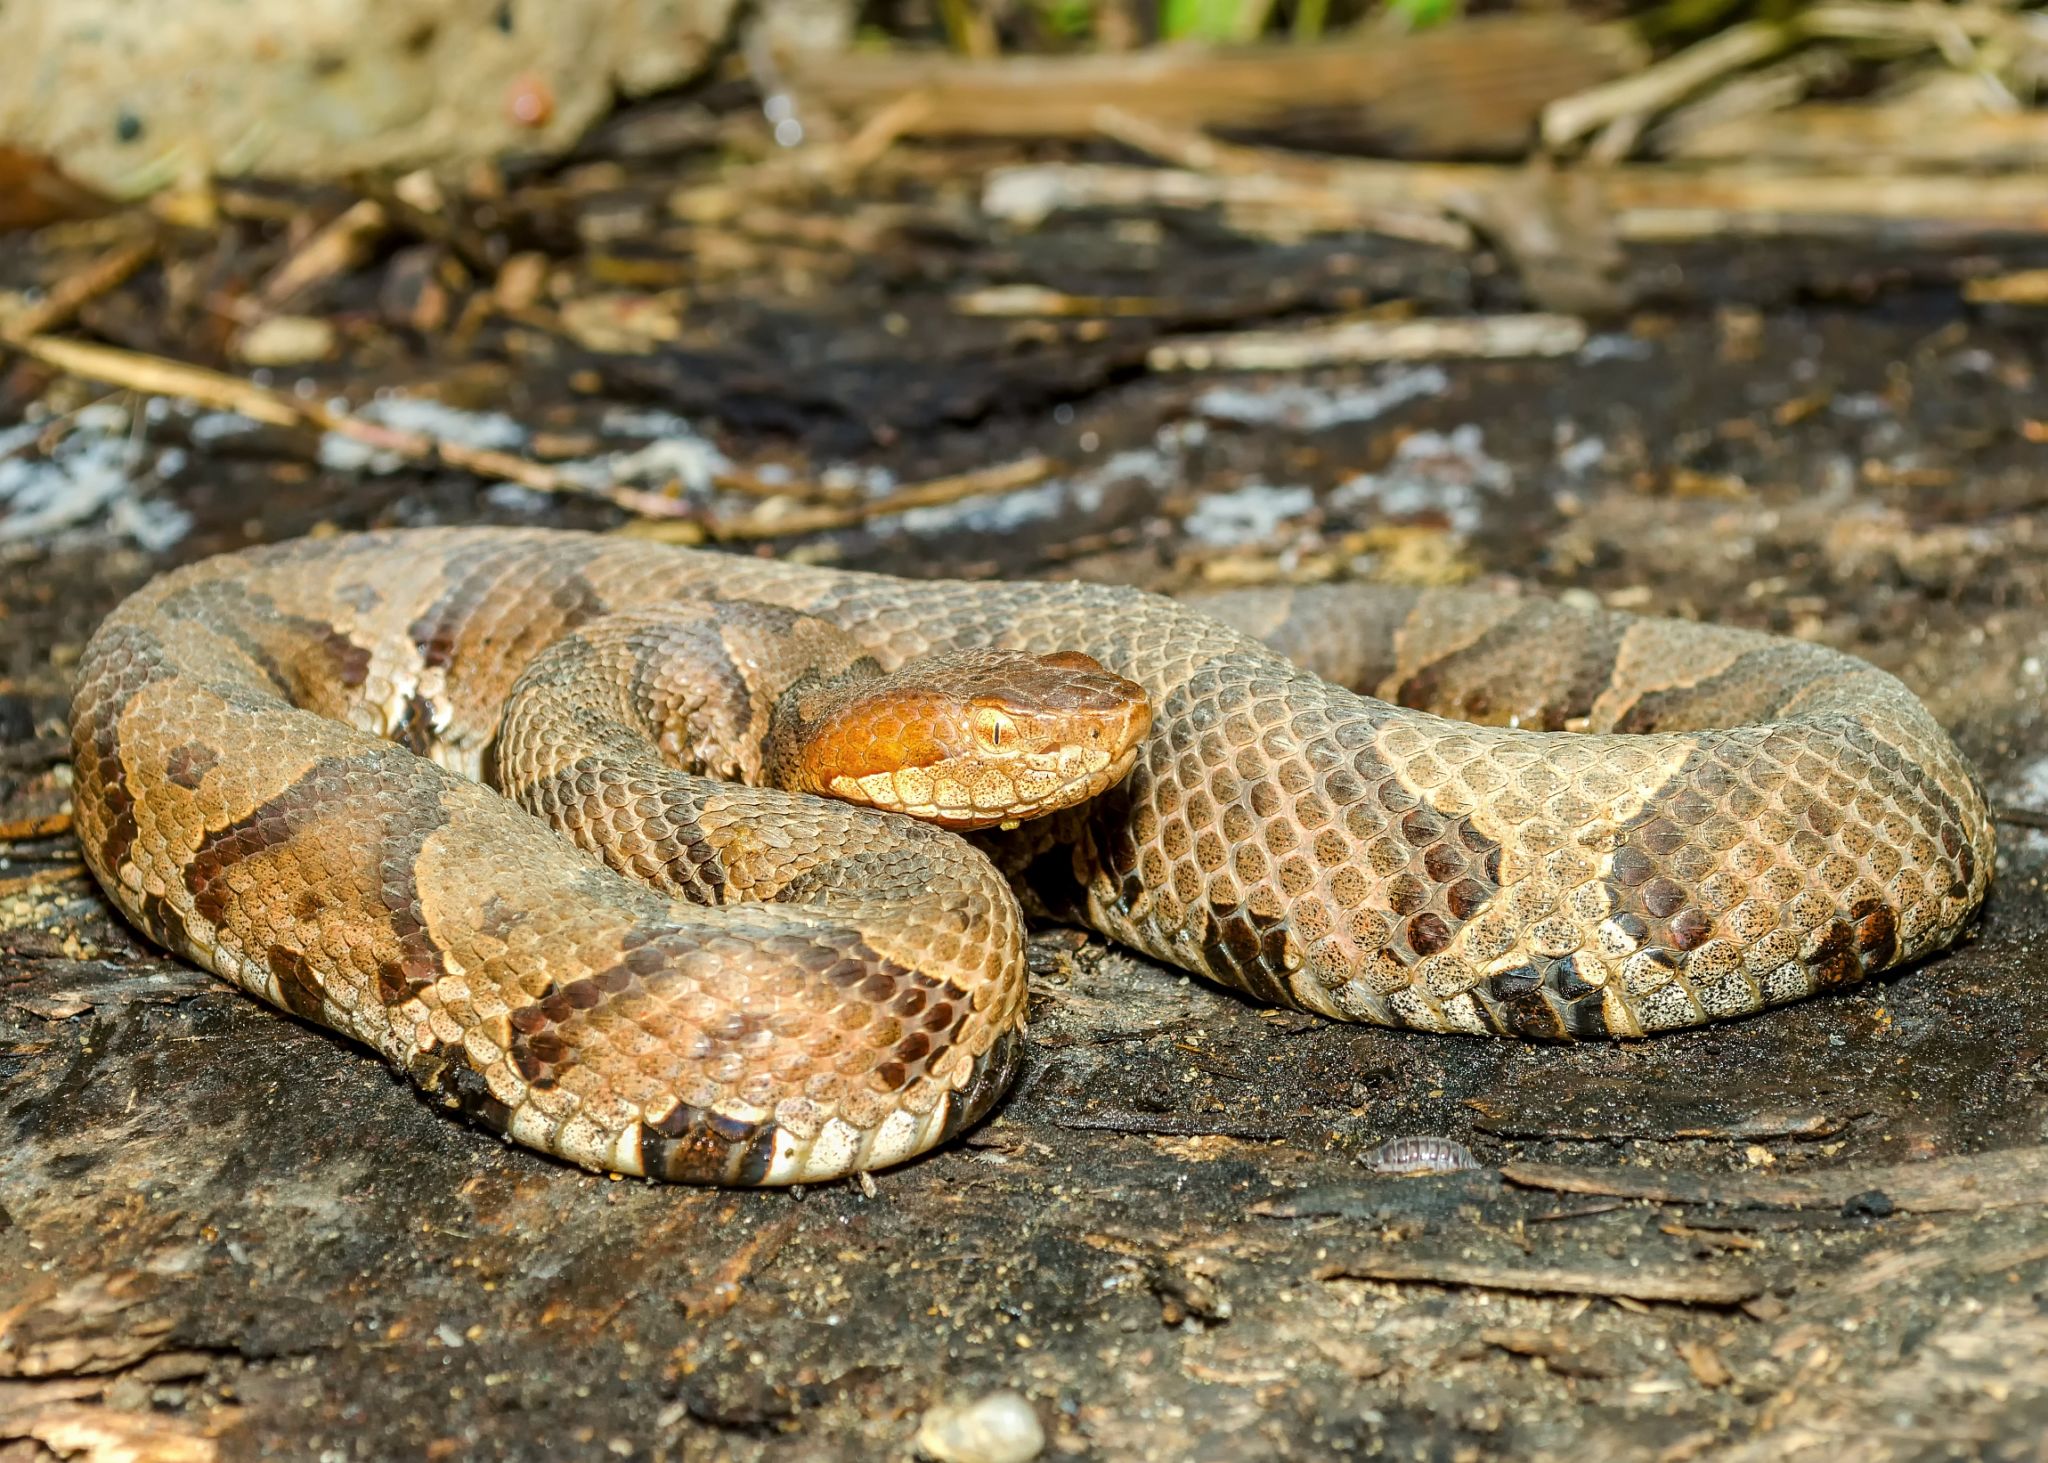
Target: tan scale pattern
(1738, 821)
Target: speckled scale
(783, 992)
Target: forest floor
(1820, 1233)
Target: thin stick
(1170, 1125)
(1856, 138)
(157, 376)
(769, 523)
(1951, 29)
(41, 879)
(1648, 204)
(336, 247)
(882, 131)
(1312, 185)
(153, 375)
(721, 1292)
(39, 825)
(1656, 87)
(753, 485)
(1030, 301)
(1179, 145)
(61, 305)
(1488, 336)
(1934, 25)
(1689, 1285)
(1764, 97)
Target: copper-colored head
(976, 738)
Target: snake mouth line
(1073, 777)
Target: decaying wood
(2000, 1180)
(1689, 1286)
(42, 825)
(1646, 204)
(1473, 89)
(1877, 138)
(1666, 204)
(1510, 1120)
(1563, 1353)
(71, 1430)
(484, 1301)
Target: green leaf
(1202, 20)
(1422, 13)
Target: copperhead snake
(278, 757)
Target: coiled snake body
(276, 754)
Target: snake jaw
(967, 793)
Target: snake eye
(990, 726)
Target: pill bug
(1420, 1156)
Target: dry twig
(1692, 1285)
(1876, 138)
(2008, 1178)
(157, 376)
(70, 294)
(1963, 34)
(1359, 341)
(1657, 87)
(1415, 220)
(335, 248)
(721, 1292)
(1647, 204)
(783, 518)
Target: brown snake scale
(277, 756)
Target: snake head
(972, 738)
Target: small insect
(1408, 1156)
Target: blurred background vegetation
(974, 26)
